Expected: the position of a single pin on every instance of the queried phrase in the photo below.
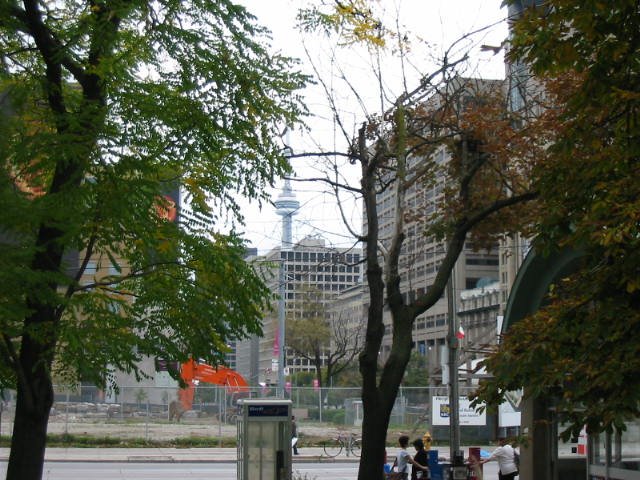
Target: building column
(536, 457)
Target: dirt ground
(155, 429)
(159, 427)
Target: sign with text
(441, 412)
(268, 410)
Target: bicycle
(349, 443)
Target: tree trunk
(28, 442)
(33, 366)
(374, 436)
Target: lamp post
(286, 206)
(454, 404)
(281, 323)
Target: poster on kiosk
(264, 439)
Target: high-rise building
(306, 277)
(523, 88)
(422, 255)
(310, 265)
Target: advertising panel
(509, 411)
(468, 416)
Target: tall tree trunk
(34, 360)
(378, 400)
(374, 435)
(33, 405)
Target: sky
(432, 26)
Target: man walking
(505, 456)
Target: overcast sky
(434, 25)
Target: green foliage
(148, 97)
(582, 347)
(348, 378)
(335, 416)
(88, 441)
(327, 343)
(353, 20)
(105, 108)
(308, 329)
(302, 379)
(417, 371)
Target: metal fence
(150, 412)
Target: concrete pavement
(153, 455)
(185, 455)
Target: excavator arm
(193, 372)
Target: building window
(481, 261)
(471, 282)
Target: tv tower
(286, 206)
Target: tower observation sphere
(286, 206)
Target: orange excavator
(193, 372)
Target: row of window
(327, 257)
(431, 322)
(481, 261)
(332, 287)
(323, 268)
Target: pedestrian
(420, 471)
(294, 435)
(387, 467)
(403, 459)
(505, 455)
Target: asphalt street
(194, 471)
(186, 463)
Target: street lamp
(454, 405)
(286, 206)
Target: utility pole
(281, 323)
(456, 455)
(286, 206)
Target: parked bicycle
(347, 442)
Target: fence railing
(150, 412)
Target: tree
(327, 342)
(107, 106)
(581, 348)
(417, 371)
(485, 181)
(478, 187)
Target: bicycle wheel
(332, 448)
(356, 446)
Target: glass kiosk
(264, 439)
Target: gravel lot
(161, 429)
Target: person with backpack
(506, 457)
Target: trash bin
(474, 467)
(446, 471)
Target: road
(179, 471)
(194, 471)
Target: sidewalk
(171, 455)
(184, 455)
